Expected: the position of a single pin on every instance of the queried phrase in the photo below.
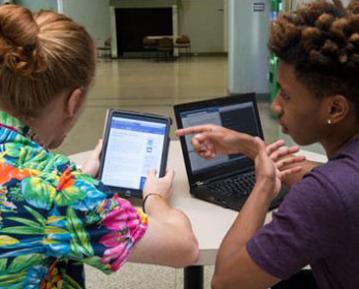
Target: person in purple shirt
(318, 101)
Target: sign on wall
(258, 6)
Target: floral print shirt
(54, 218)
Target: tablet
(133, 143)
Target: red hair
(41, 55)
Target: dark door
(133, 24)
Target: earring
(329, 121)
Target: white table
(210, 222)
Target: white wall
(345, 2)
(248, 53)
(226, 22)
(203, 21)
(36, 5)
(94, 15)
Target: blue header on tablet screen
(139, 126)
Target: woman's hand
(92, 164)
(284, 159)
(210, 140)
(156, 185)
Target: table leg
(193, 277)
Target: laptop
(226, 180)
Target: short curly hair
(321, 40)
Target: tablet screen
(133, 146)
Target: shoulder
(320, 189)
(52, 179)
(328, 194)
(338, 178)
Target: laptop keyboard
(234, 191)
(237, 185)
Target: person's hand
(92, 164)
(266, 170)
(156, 185)
(284, 159)
(210, 140)
(274, 163)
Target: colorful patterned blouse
(54, 218)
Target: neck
(332, 145)
(45, 127)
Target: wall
(225, 28)
(36, 5)
(248, 53)
(142, 3)
(345, 2)
(203, 21)
(94, 15)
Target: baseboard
(206, 54)
(260, 97)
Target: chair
(165, 49)
(150, 46)
(183, 44)
(105, 50)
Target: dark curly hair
(321, 40)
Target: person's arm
(169, 239)
(234, 266)
(210, 140)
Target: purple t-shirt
(317, 224)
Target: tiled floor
(145, 85)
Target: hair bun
(26, 61)
(19, 44)
(353, 7)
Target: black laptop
(226, 180)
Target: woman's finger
(97, 150)
(151, 173)
(98, 147)
(170, 173)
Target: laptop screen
(238, 113)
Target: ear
(74, 102)
(338, 108)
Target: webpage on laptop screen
(239, 117)
(134, 146)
